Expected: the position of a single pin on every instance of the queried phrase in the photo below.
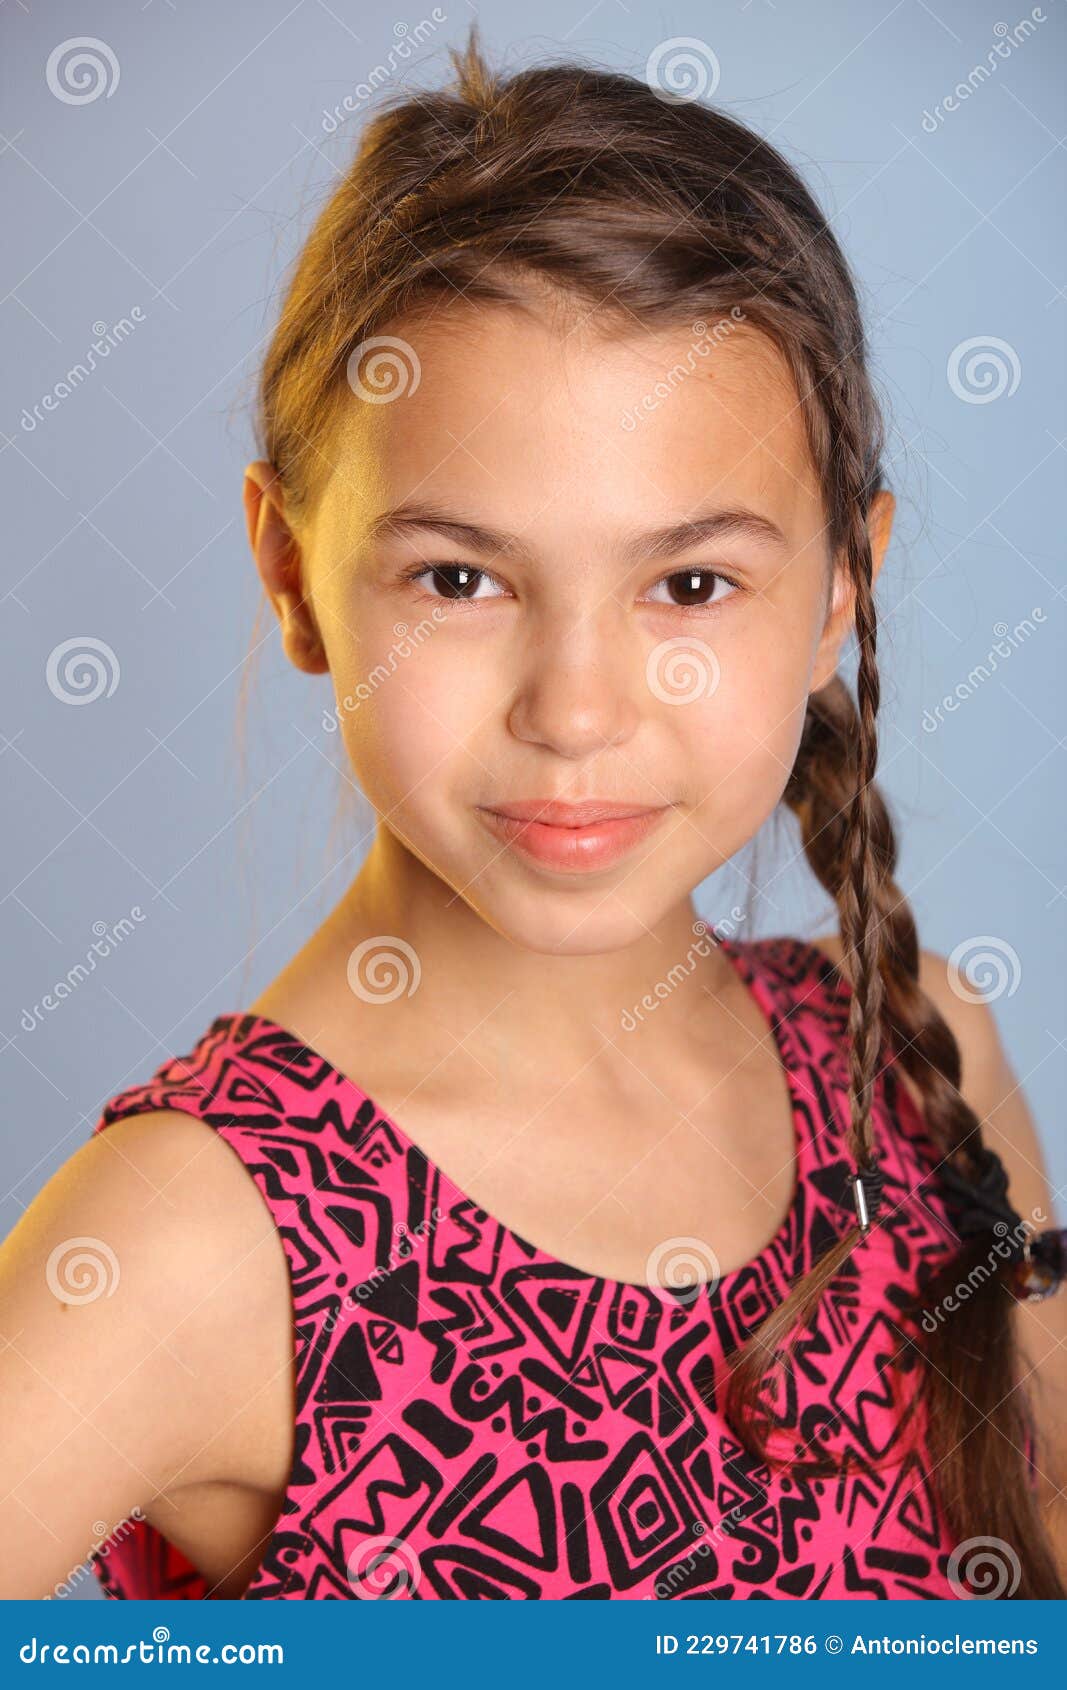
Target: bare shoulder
(987, 1079)
(991, 1087)
(141, 1297)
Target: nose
(579, 687)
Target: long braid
(588, 181)
(967, 1447)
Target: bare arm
(991, 1088)
(994, 1092)
(139, 1317)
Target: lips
(581, 837)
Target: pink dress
(476, 1419)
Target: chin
(566, 924)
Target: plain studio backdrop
(158, 179)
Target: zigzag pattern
(484, 1422)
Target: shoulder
(142, 1282)
(209, 1269)
(988, 1082)
(969, 1017)
(990, 1086)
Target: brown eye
(693, 587)
(456, 581)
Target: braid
(849, 842)
(587, 181)
(863, 870)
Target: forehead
(538, 419)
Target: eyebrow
(655, 544)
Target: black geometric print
(476, 1420)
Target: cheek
(415, 714)
(741, 742)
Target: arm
(992, 1089)
(138, 1316)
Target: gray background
(184, 193)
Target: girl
(525, 1238)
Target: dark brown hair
(588, 182)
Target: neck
(471, 978)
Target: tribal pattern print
(477, 1420)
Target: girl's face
(564, 567)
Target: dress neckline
(247, 1027)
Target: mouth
(573, 838)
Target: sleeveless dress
(476, 1419)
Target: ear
(841, 614)
(281, 567)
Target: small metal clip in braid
(867, 1186)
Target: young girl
(525, 1238)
